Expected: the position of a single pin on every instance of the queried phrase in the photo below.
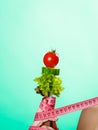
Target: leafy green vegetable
(48, 85)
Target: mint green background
(30, 28)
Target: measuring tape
(49, 112)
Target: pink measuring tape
(48, 111)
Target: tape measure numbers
(66, 109)
(60, 111)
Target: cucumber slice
(54, 71)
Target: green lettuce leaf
(49, 85)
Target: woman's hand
(44, 124)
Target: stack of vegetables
(49, 83)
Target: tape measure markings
(66, 109)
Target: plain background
(30, 28)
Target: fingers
(51, 119)
(39, 123)
(47, 127)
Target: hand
(43, 123)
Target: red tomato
(50, 59)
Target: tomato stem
(52, 50)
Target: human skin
(50, 123)
(89, 119)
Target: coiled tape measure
(63, 110)
(66, 109)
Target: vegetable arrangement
(48, 83)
